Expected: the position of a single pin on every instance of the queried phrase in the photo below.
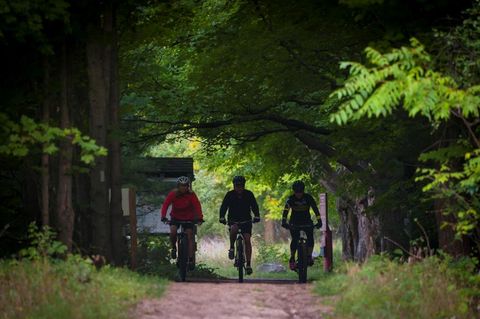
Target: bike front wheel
(302, 262)
(240, 259)
(183, 257)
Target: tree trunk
(46, 157)
(119, 247)
(65, 213)
(360, 233)
(269, 231)
(348, 229)
(446, 234)
(101, 234)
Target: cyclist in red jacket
(185, 207)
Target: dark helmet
(184, 180)
(298, 186)
(239, 180)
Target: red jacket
(184, 206)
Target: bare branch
(469, 126)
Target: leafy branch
(20, 137)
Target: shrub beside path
(233, 301)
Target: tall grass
(213, 253)
(381, 288)
(46, 288)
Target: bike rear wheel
(182, 257)
(240, 259)
(302, 262)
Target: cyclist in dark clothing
(240, 204)
(300, 203)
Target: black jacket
(239, 206)
(300, 209)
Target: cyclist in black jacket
(300, 204)
(240, 204)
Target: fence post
(132, 201)
(327, 233)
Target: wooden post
(328, 248)
(132, 203)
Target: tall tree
(45, 157)
(65, 213)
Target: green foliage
(40, 286)
(432, 288)
(20, 137)
(28, 20)
(272, 253)
(360, 3)
(42, 244)
(153, 254)
(154, 259)
(402, 77)
(70, 289)
(406, 78)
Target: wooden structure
(142, 202)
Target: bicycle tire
(302, 262)
(182, 257)
(240, 259)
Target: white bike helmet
(184, 180)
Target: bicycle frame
(302, 252)
(182, 248)
(240, 250)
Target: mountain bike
(302, 252)
(240, 250)
(182, 247)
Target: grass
(47, 288)
(382, 288)
(213, 254)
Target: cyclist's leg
(248, 252)
(310, 244)
(173, 241)
(248, 247)
(189, 232)
(293, 248)
(233, 234)
(295, 233)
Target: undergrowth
(37, 285)
(435, 287)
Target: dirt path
(233, 301)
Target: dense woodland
(259, 88)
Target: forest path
(214, 300)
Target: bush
(277, 253)
(70, 289)
(433, 288)
(40, 286)
(154, 259)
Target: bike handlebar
(300, 226)
(183, 222)
(240, 223)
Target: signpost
(129, 207)
(327, 244)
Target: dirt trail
(233, 301)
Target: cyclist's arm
(254, 206)
(225, 204)
(285, 211)
(314, 206)
(167, 203)
(197, 206)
